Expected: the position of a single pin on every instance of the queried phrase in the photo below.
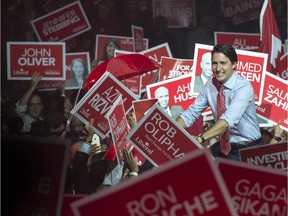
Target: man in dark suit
(162, 94)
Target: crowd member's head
(35, 106)
(224, 62)
(206, 65)
(162, 94)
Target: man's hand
(36, 77)
(130, 161)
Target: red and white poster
(97, 102)
(245, 41)
(138, 36)
(275, 101)
(119, 127)
(173, 67)
(124, 43)
(250, 65)
(26, 58)
(179, 13)
(156, 54)
(159, 192)
(270, 155)
(178, 93)
(34, 174)
(255, 190)
(140, 107)
(157, 137)
(62, 24)
(77, 70)
(241, 11)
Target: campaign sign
(62, 24)
(124, 43)
(275, 100)
(119, 127)
(81, 61)
(137, 33)
(26, 58)
(160, 138)
(173, 67)
(66, 209)
(140, 107)
(154, 53)
(160, 192)
(255, 190)
(241, 11)
(245, 41)
(97, 102)
(179, 89)
(178, 13)
(33, 171)
(274, 155)
(250, 65)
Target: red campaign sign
(140, 107)
(241, 11)
(119, 127)
(273, 155)
(173, 67)
(154, 53)
(124, 43)
(84, 58)
(66, 209)
(26, 58)
(157, 137)
(245, 41)
(275, 101)
(133, 83)
(62, 24)
(158, 192)
(97, 102)
(36, 187)
(255, 190)
(179, 89)
(179, 13)
(138, 36)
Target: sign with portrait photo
(251, 65)
(117, 42)
(158, 137)
(61, 24)
(26, 58)
(97, 102)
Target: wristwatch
(278, 139)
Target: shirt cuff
(85, 148)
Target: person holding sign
(231, 98)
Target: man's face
(222, 67)
(206, 65)
(162, 95)
(35, 106)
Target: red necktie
(225, 146)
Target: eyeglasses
(35, 105)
